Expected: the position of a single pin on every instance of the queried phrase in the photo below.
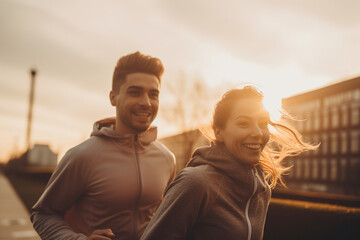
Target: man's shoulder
(85, 146)
(84, 150)
(163, 149)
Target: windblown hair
(284, 140)
(133, 63)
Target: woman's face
(246, 131)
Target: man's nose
(145, 100)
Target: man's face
(136, 103)
(246, 131)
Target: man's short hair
(133, 63)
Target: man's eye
(134, 93)
(154, 95)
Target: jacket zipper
(248, 204)
(139, 188)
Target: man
(109, 186)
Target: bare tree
(189, 106)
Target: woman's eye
(243, 124)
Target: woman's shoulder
(202, 177)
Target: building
(183, 145)
(41, 155)
(329, 116)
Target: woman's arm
(180, 209)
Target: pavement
(14, 218)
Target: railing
(292, 215)
(318, 197)
(304, 220)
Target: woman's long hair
(284, 140)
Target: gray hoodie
(109, 181)
(215, 197)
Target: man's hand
(101, 234)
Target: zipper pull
(255, 172)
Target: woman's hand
(102, 234)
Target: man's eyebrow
(155, 90)
(141, 88)
(134, 88)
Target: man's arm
(102, 234)
(63, 189)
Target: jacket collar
(220, 158)
(106, 127)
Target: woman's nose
(256, 131)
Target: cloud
(75, 44)
(312, 35)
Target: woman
(224, 193)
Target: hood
(219, 157)
(106, 127)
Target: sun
(272, 103)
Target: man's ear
(218, 135)
(112, 97)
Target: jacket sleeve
(180, 209)
(172, 170)
(63, 189)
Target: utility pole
(31, 103)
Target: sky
(284, 47)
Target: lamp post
(31, 103)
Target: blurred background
(57, 60)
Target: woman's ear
(218, 135)
(112, 97)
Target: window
(324, 144)
(344, 116)
(298, 167)
(344, 142)
(306, 138)
(324, 169)
(343, 171)
(315, 168)
(334, 143)
(325, 119)
(306, 168)
(300, 123)
(308, 121)
(354, 145)
(316, 120)
(334, 117)
(356, 94)
(355, 115)
(316, 140)
(354, 169)
(333, 169)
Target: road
(14, 218)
